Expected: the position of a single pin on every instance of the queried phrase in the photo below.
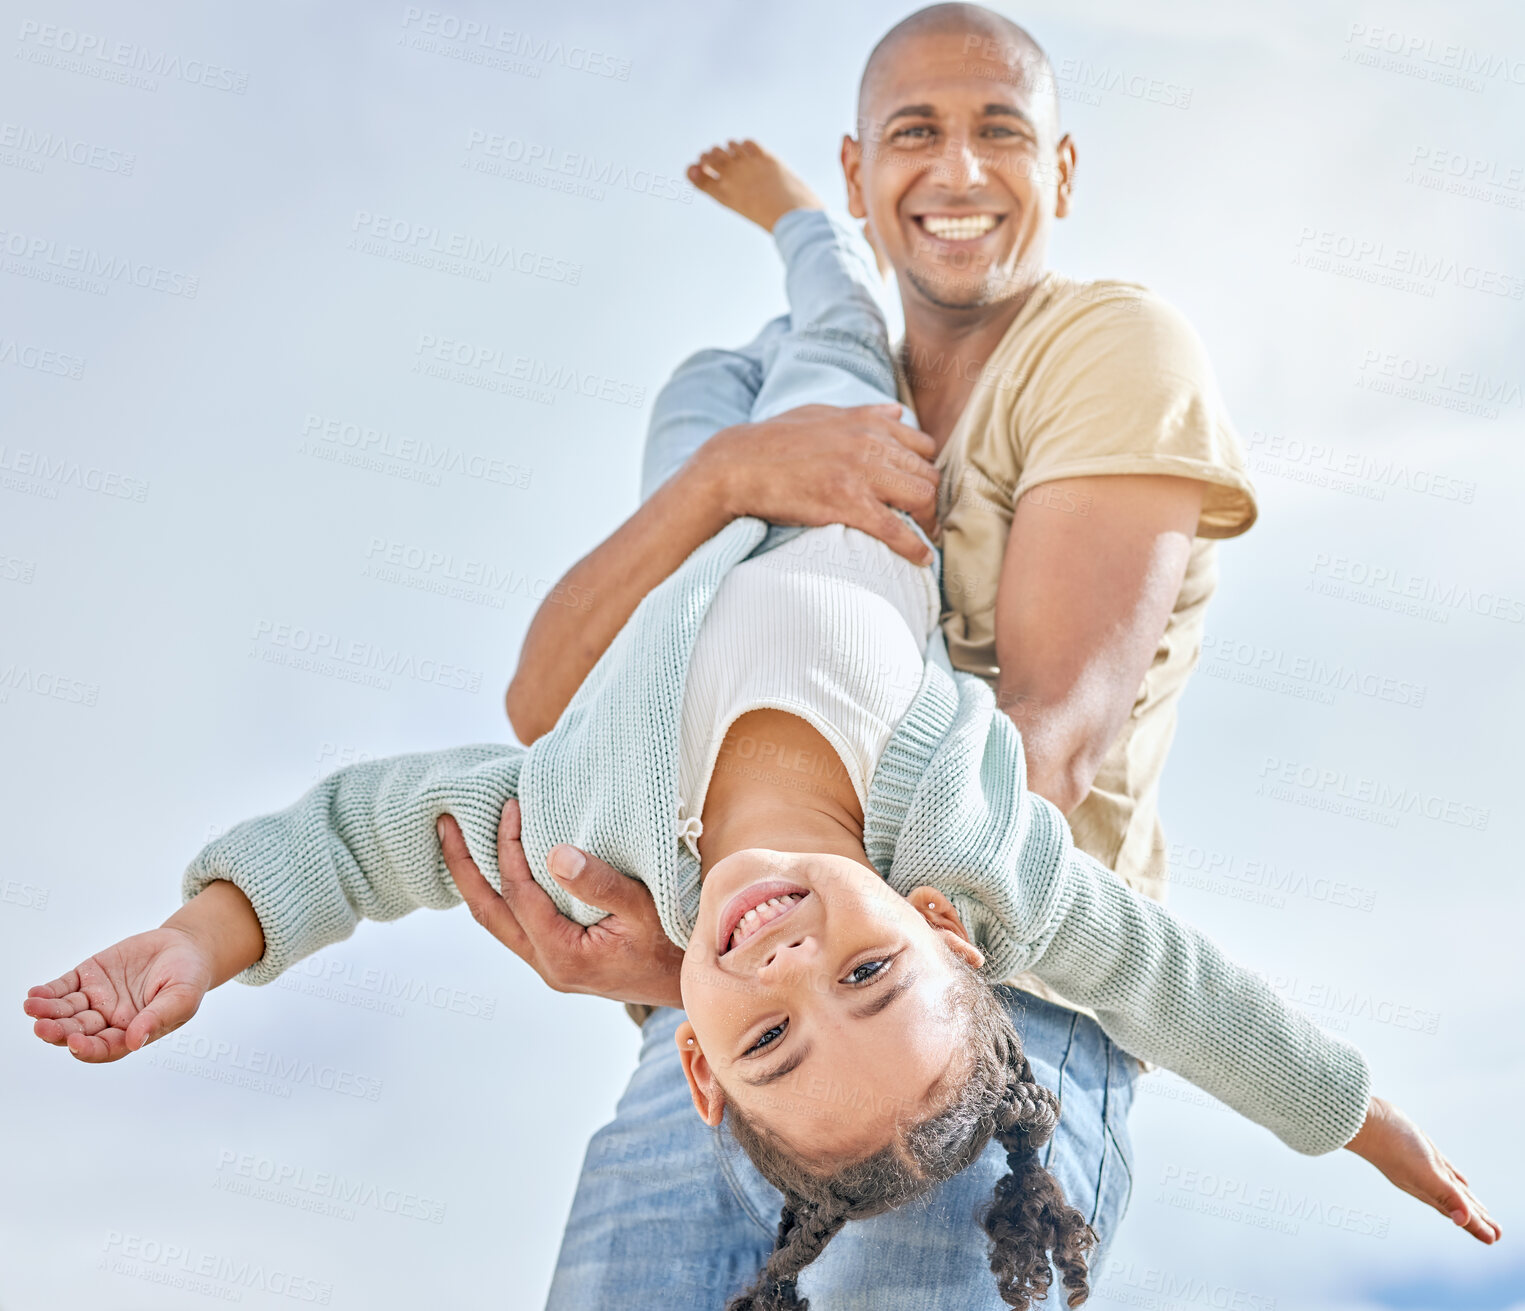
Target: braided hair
(1027, 1219)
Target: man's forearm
(1062, 748)
(818, 464)
(565, 640)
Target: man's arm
(818, 464)
(564, 641)
(1082, 604)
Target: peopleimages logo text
(541, 157)
(128, 54)
(1378, 579)
(505, 40)
(319, 649)
(95, 264)
(59, 145)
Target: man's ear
(703, 1086)
(938, 911)
(1064, 161)
(852, 166)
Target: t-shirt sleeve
(1126, 387)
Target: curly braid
(804, 1229)
(1027, 1220)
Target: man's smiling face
(959, 167)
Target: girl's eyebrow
(792, 1062)
(885, 998)
(783, 1069)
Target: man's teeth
(966, 227)
(759, 915)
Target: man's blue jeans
(669, 1214)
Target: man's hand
(123, 998)
(819, 464)
(1396, 1146)
(625, 957)
(823, 464)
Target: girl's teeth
(754, 919)
(964, 228)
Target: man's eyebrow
(912, 111)
(886, 998)
(782, 1070)
(995, 108)
(1011, 111)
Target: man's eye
(912, 133)
(768, 1038)
(861, 974)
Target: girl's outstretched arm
(1164, 991)
(1404, 1153)
(121, 999)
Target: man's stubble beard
(993, 289)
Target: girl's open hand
(1404, 1153)
(124, 997)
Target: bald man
(1082, 466)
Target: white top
(831, 626)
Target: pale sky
(212, 444)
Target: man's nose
(966, 166)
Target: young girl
(834, 826)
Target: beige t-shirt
(1092, 378)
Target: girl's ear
(703, 1086)
(938, 911)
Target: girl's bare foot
(743, 176)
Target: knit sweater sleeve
(361, 844)
(1166, 993)
(949, 804)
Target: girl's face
(816, 1000)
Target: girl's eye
(768, 1038)
(863, 973)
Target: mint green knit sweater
(947, 805)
